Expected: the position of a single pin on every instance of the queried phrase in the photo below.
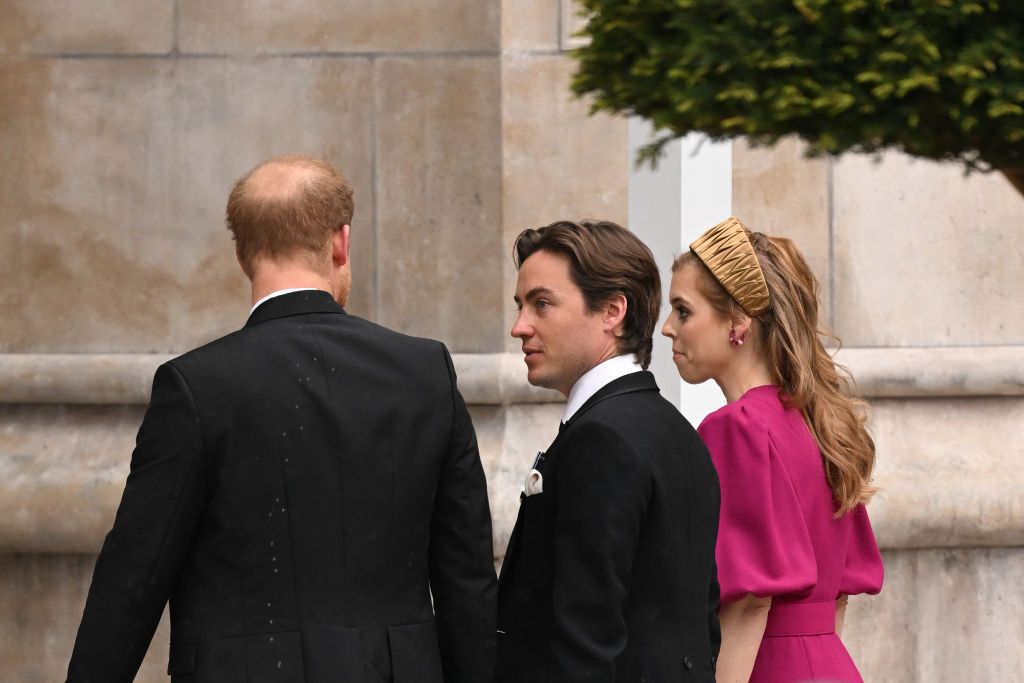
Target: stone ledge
(126, 379)
(78, 379)
(973, 512)
(63, 468)
(498, 378)
(936, 371)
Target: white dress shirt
(594, 379)
(279, 293)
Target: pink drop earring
(734, 340)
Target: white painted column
(655, 216)
(690, 191)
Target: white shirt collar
(595, 379)
(278, 293)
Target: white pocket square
(534, 483)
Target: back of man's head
(605, 259)
(288, 207)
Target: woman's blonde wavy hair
(810, 380)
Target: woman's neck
(750, 370)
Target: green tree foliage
(940, 79)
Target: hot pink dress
(777, 537)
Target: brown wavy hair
(605, 259)
(809, 380)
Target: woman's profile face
(700, 336)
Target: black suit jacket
(298, 491)
(610, 575)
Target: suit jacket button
(688, 663)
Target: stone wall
(123, 127)
(919, 269)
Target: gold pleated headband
(727, 252)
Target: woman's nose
(667, 330)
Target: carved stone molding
(936, 371)
(67, 425)
(500, 378)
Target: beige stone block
(439, 198)
(489, 379)
(778, 191)
(262, 26)
(63, 471)
(530, 25)
(489, 423)
(925, 256)
(86, 27)
(559, 162)
(41, 603)
(948, 472)
(527, 429)
(112, 207)
(879, 630)
(944, 616)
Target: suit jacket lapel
(627, 384)
(510, 549)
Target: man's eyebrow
(536, 292)
(533, 294)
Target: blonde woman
(792, 453)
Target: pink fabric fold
(763, 545)
(863, 572)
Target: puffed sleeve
(763, 545)
(863, 571)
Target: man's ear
(614, 314)
(340, 246)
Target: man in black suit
(307, 491)
(609, 575)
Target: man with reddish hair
(306, 492)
